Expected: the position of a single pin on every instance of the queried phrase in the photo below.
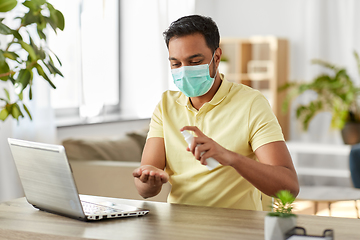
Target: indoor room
(92, 76)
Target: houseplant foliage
(26, 53)
(335, 91)
(281, 219)
(282, 205)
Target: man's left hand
(209, 148)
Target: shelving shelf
(260, 62)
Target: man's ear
(217, 56)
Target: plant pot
(276, 227)
(351, 133)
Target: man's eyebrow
(191, 57)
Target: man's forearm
(268, 179)
(145, 190)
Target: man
(234, 124)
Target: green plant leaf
(29, 49)
(30, 93)
(55, 70)
(27, 111)
(5, 30)
(11, 55)
(41, 72)
(41, 34)
(7, 5)
(4, 68)
(24, 78)
(40, 2)
(324, 64)
(17, 35)
(60, 20)
(30, 4)
(50, 20)
(21, 96)
(7, 94)
(34, 47)
(2, 58)
(30, 18)
(4, 114)
(16, 112)
(57, 58)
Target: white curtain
(145, 70)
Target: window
(89, 51)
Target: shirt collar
(218, 97)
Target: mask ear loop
(216, 70)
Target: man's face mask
(193, 81)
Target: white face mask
(194, 81)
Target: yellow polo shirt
(240, 119)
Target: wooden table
(19, 220)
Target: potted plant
(336, 93)
(26, 55)
(281, 219)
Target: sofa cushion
(124, 149)
(139, 137)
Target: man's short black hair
(194, 24)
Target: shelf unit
(261, 62)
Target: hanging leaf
(10, 55)
(30, 18)
(4, 114)
(30, 92)
(17, 35)
(41, 72)
(2, 57)
(40, 2)
(60, 20)
(16, 112)
(41, 34)
(50, 20)
(55, 69)
(29, 49)
(30, 4)
(27, 111)
(56, 57)
(4, 68)
(7, 5)
(24, 78)
(5, 30)
(7, 94)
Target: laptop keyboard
(92, 208)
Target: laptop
(49, 185)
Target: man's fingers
(194, 129)
(144, 176)
(164, 178)
(137, 172)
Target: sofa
(104, 166)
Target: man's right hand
(150, 175)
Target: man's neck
(198, 102)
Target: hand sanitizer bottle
(211, 162)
